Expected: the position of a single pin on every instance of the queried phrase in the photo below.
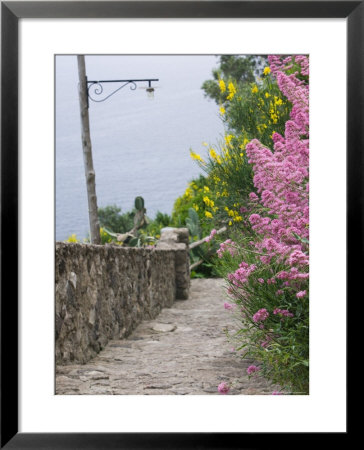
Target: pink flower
(212, 234)
(228, 306)
(299, 258)
(301, 294)
(227, 246)
(254, 218)
(223, 388)
(261, 281)
(261, 315)
(241, 275)
(252, 369)
(253, 197)
(283, 312)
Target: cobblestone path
(183, 351)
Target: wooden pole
(87, 153)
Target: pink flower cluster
(277, 64)
(281, 177)
(241, 275)
(227, 246)
(212, 234)
(283, 312)
(223, 388)
(293, 274)
(252, 369)
(301, 294)
(228, 306)
(261, 315)
(298, 258)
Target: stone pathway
(183, 351)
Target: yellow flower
(228, 138)
(266, 70)
(238, 219)
(72, 238)
(196, 208)
(274, 118)
(196, 156)
(261, 127)
(243, 145)
(230, 223)
(206, 189)
(232, 91)
(222, 86)
(213, 154)
(208, 202)
(267, 95)
(206, 199)
(222, 110)
(188, 193)
(278, 101)
(208, 214)
(254, 89)
(205, 144)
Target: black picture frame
(11, 12)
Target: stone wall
(104, 292)
(178, 240)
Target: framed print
(39, 42)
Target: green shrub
(111, 218)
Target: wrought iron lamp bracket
(95, 88)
